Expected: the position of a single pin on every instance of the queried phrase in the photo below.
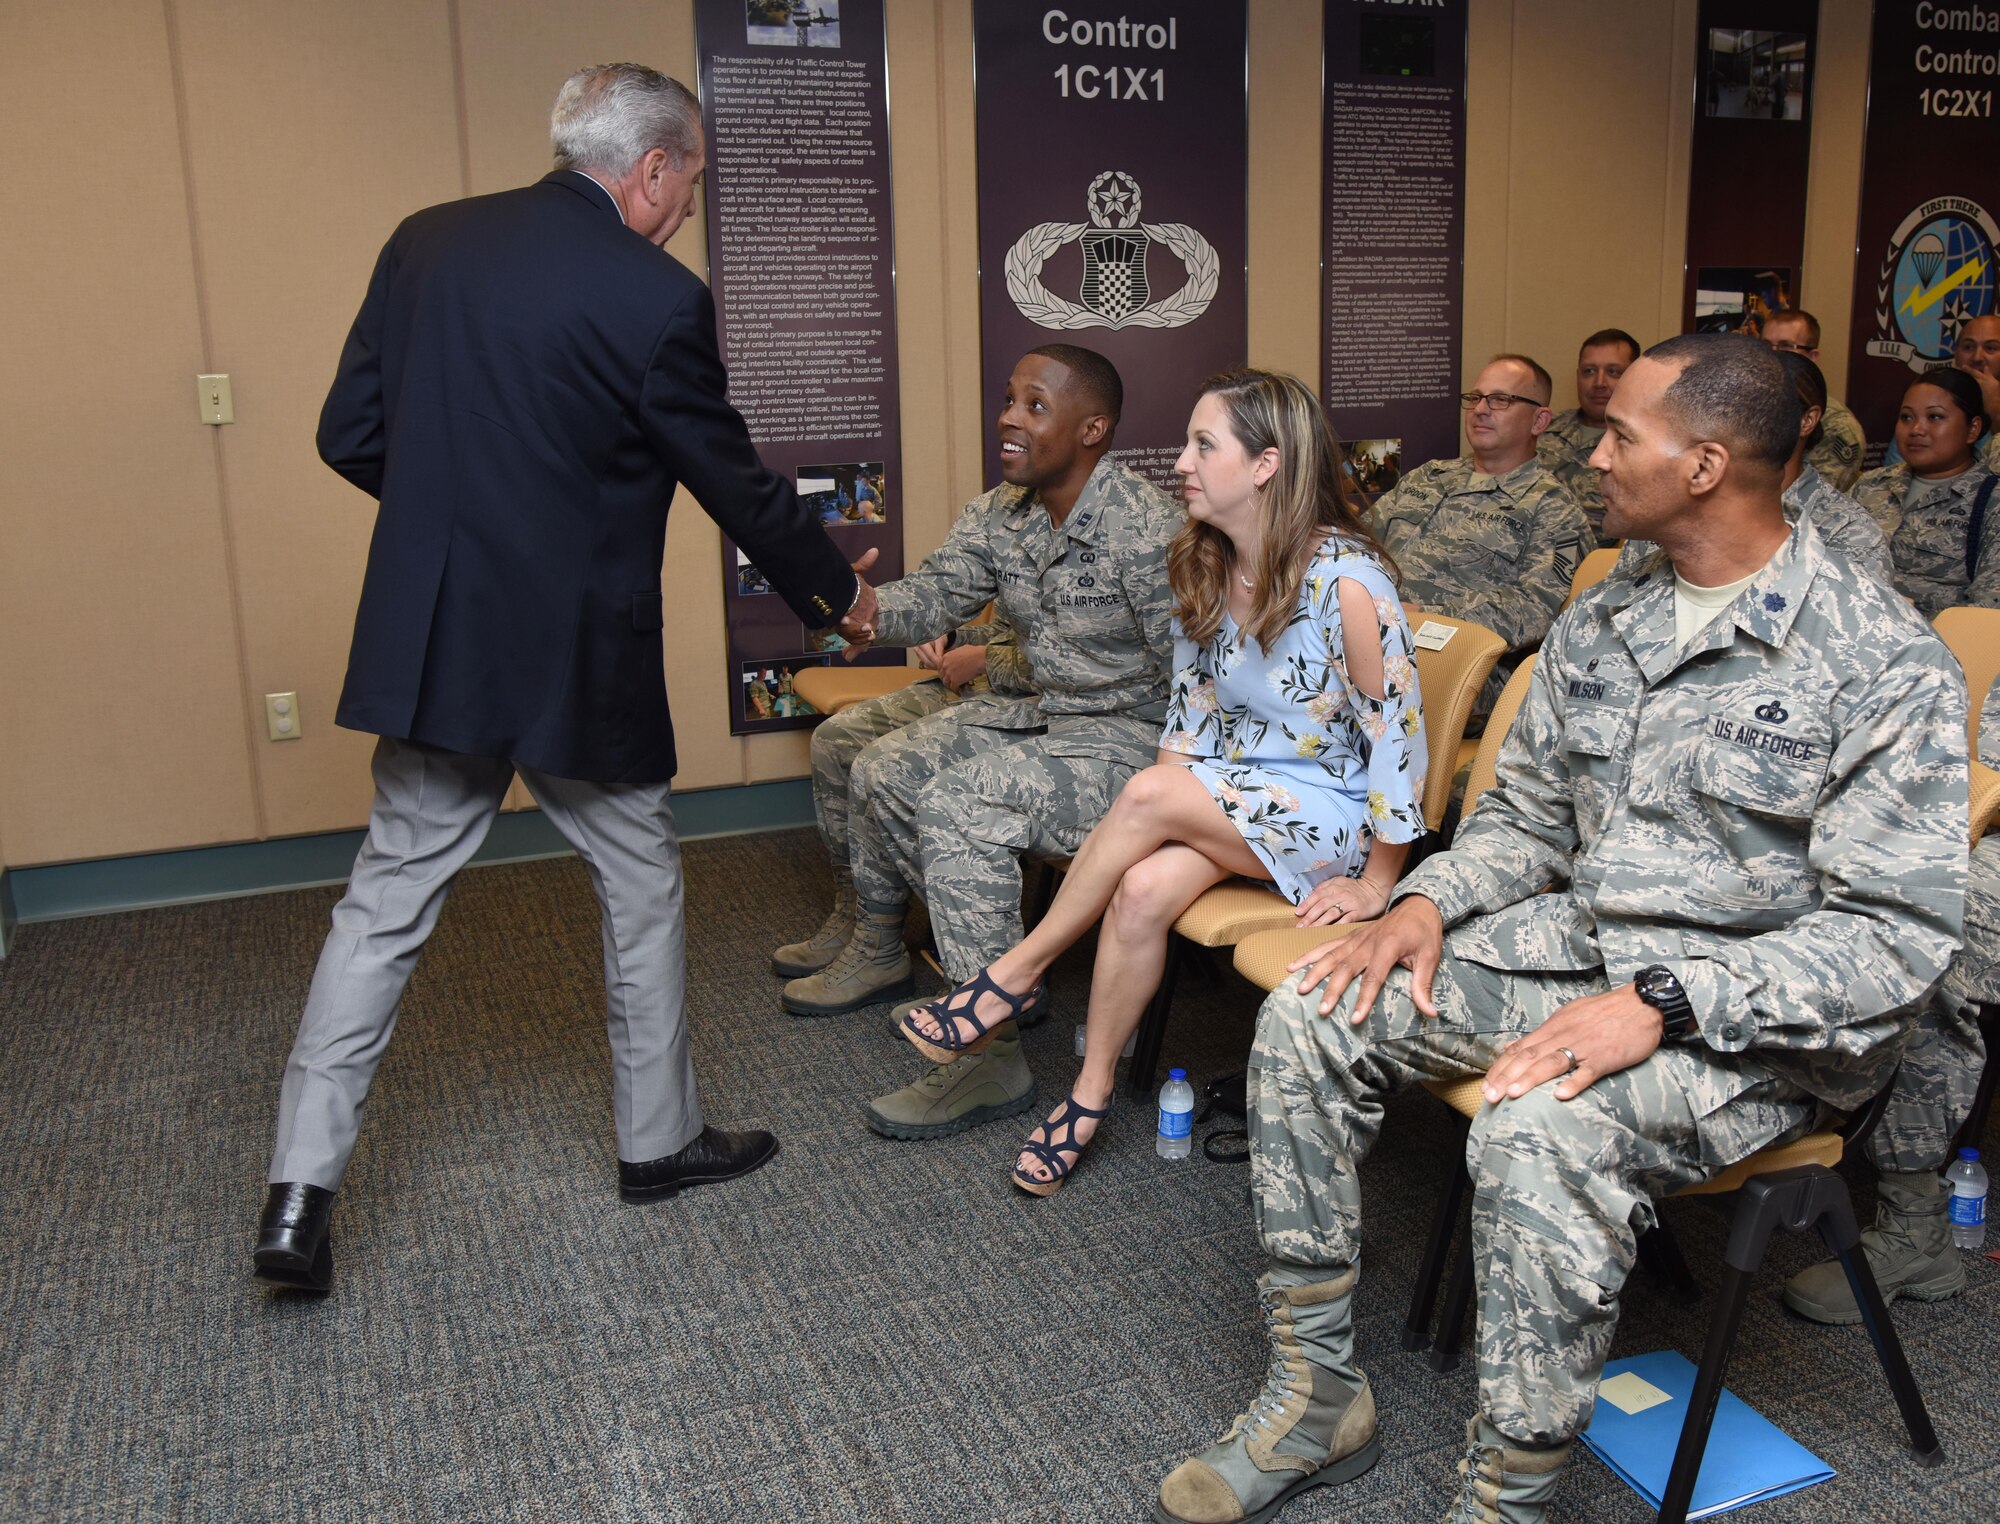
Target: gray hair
(610, 116)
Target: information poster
(1113, 209)
(795, 97)
(1393, 225)
(1930, 193)
(1752, 132)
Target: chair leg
(1660, 1253)
(1045, 893)
(1457, 1303)
(1982, 1101)
(1843, 1237)
(1707, 1390)
(1430, 1270)
(1153, 1025)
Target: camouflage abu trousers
(1561, 1190)
(947, 807)
(1939, 1077)
(840, 739)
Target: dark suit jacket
(527, 381)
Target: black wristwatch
(1656, 985)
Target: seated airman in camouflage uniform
(1939, 508)
(1910, 1248)
(1491, 536)
(1752, 812)
(1840, 451)
(1565, 446)
(1072, 547)
(1846, 529)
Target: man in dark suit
(529, 378)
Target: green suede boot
(1313, 1425)
(795, 960)
(1909, 1250)
(1500, 1482)
(981, 1087)
(873, 967)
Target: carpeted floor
(864, 1330)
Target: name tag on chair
(1432, 636)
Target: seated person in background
(1565, 446)
(1740, 926)
(1073, 548)
(1937, 508)
(1977, 353)
(1910, 1249)
(1493, 536)
(1844, 526)
(1294, 747)
(1841, 450)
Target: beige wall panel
(1489, 133)
(1590, 155)
(1833, 191)
(358, 97)
(121, 724)
(958, 203)
(1284, 247)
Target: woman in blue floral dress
(1294, 747)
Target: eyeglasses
(1498, 401)
(1786, 346)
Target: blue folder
(1748, 1458)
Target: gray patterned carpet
(865, 1330)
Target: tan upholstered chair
(1591, 570)
(839, 685)
(1974, 638)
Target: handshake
(857, 626)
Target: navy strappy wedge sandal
(1058, 1157)
(961, 1005)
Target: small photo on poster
(825, 640)
(792, 23)
(1397, 47)
(845, 494)
(1737, 298)
(1373, 466)
(749, 580)
(1755, 75)
(768, 693)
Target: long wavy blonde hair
(1305, 498)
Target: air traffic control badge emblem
(1936, 277)
(1116, 290)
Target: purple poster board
(1113, 202)
(1754, 63)
(1393, 225)
(800, 256)
(1930, 199)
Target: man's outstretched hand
(858, 627)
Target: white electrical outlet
(281, 716)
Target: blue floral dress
(1307, 765)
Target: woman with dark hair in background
(1936, 507)
(1294, 745)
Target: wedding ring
(1565, 1052)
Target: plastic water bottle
(1176, 1139)
(1968, 1191)
(1124, 1052)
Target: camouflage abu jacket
(1777, 814)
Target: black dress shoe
(294, 1242)
(715, 1155)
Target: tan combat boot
(1500, 1482)
(952, 1098)
(873, 967)
(1313, 1425)
(795, 960)
(1909, 1250)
